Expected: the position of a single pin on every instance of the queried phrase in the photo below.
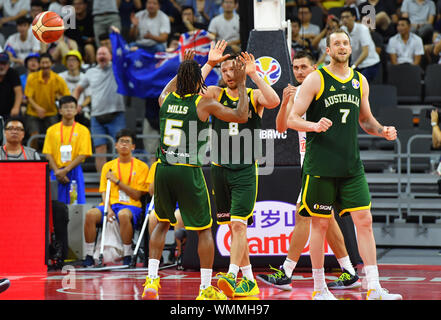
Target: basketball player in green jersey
(184, 114)
(303, 64)
(234, 169)
(335, 99)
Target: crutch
(103, 232)
(141, 234)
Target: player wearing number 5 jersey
(184, 114)
(234, 169)
(335, 98)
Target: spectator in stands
(128, 177)
(307, 29)
(385, 15)
(43, 88)
(126, 9)
(66, 145)
(10, 88)
(13, 148)
(108, 109)
(57, 6)
(73, 76)
(105, 14)
(60, 48)
(12, 11)
(226, 25)
(150, 27)
(104, 39)
(204, 10)
(405, 46)
(188, 23)
(364, 56)
(173, 42)
(32, 64)
(421, 14)
(298, 43)
(434, 49)
(319, 42)
(83, 32)
(20, 44)
(436, 132)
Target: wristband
(434, 124)
(117, 183)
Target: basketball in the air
(48, 27)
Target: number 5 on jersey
(172, 135)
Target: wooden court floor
(413, 282)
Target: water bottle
(73, 192)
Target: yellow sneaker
(151, 289)
(211, 293)
(246, 288)
(227, 283)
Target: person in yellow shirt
(128, 177)
(42, 90)
(66, 145)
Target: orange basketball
(47, 27)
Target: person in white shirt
(307, 29)
(364, 56)
(405, 46)
(21, 42)
(421, 14)
(150, 27)
(226, 25)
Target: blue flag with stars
(144, 74)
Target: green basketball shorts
(321, 194)
(185, 185)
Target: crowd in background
(395, 32)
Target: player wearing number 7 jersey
(336, 98)
(234, 168)
(184, 114)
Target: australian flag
(143, 74)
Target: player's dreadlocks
(189, 79)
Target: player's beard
(340, 59)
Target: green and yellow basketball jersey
(180, 129)
(235, 145)
(335, 153)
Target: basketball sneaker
(151, 289)
(324, 294)
(278, 279)
(4, 284)
(246, 288)
(345, 281)
(227, 283)
(211, 293)
(382, 294)
(88, 261)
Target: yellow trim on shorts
(180, 164)
(164, 220)
(255, 198)
(322, 86)
(355, 209)
(209, 207)
(305, 206)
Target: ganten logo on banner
(270, 233)
(269, 69)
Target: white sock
(234, 269)
(289, 267)
(319, 279)
(345, 263)
(247, 272)
(89, 248)
(127, 249)
(372, 277)
(153, 268)
(206, 278)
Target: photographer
(436, 132)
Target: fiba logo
(269, 69)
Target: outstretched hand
(239, 73)
(189, 54)
(249, 61)
(215, 55)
